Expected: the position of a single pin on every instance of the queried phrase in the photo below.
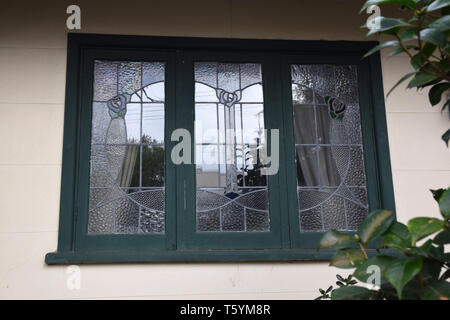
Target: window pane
(230, 147)
(331, 180)
(127, 149)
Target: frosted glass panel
(231, 192)
(331, 181)
(127, 193)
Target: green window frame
(181, 242)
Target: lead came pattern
(331, 182)
(231, 196)
(127, 193)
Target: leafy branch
(410, 271)
(424, 39)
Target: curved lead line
(336, 195)
(214, 88)
(335, 192)
(114, 179)
(141, 89)
(356, 198)
(127, 195)
(346, 102)
(230, 201)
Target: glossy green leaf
(401, 271)
(446, 137)
(439, 290)
(375, 224)
(441, 24)
(400, 50)
(436, 91)
(438, 4)
(437, 193)
(444, 203)
(336, 240)
(434, 36)
(382, 46)
(409, 3)
(397, 236)
(417, 61)
(351, 293)
(424, 226)
(402, 79)
(408, 34)
(428, 48)
(388, 25)
(421, 79)
(442, 237)
(363, 272)
(347, 258)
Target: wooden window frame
(180, 241)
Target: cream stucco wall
(32, 87)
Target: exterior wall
(32, 86)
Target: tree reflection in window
(127, 193)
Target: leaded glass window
(331, 181)
(217, 150)
(127, 193)
(231, 191)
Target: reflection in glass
(230, 148)
(127, 193)
(330, 166)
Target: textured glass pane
(230, 148)
(311, 220)
(232, 218)
(105, 80)
(329, 155)
(100, 175)
(127, 149)
(152, 221)
(257, 221)
(208, 221)
(129, 77)
(152, 72)
(127, 215)
(206, 73)
(356, 175)
(99, 126)
(333, 211)
(101, 219)
(356, 214)
(309, 198)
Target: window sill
(54, 258)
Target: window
(287, 140)
(331, 180)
